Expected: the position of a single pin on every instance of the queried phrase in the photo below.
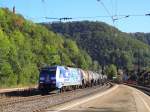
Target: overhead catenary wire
(112, 6)
(44, 7)
(114, 16)
(116, 7)
(86, 17)
(119, 17)
(116, 12)
(81, 17)
(107, 11)
(60, 19)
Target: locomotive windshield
(48, 75)
(50, 72)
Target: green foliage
(144, 37)
(106, 44)
(84, 61)
(25, 47)
(111, 71)
(95, 66)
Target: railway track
(145, 89)
(38, 103)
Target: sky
(92, 10)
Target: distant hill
(144, 37)
(105, 43)
(25, 47)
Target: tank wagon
(67, 78)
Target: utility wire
(112, 7)
(109, 14)
(81, 17)
(118, 17)
(115, 18)
(116, 7)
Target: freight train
(68, 78)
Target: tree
(25, 47)
(99, 41)
(111, 71)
